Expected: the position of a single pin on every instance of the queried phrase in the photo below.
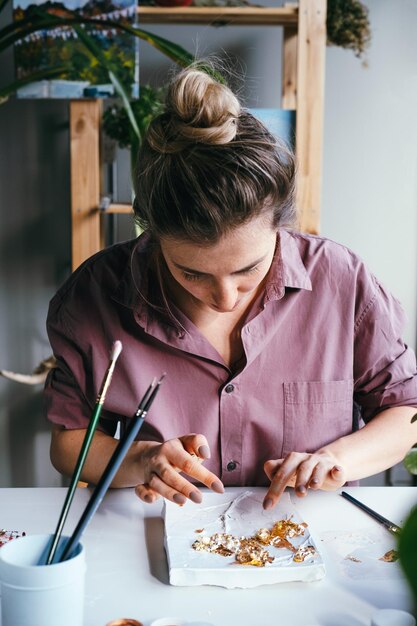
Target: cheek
(196, 288)
(252, 283)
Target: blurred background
(369, 191)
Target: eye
(191, 277)
(251, 270)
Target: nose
(225, 296)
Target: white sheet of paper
(240, 514)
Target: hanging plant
(348, 25)
(116, 123)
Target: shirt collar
(287, 269)
(133, 287)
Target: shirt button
(229, 389)
(231, 466)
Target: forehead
(235, 250)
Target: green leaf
(116, 122)
(41, 20)
(410, 461)
(51, 72)
(126, 103)
(173, 51)
(407, 546)
(96, 51)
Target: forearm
(65, 448)
(380, 444)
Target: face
(224, 276)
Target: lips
(235, 306)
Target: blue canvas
(280, 122)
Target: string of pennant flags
(66, 32)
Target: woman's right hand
(163, 463)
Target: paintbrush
(115, 352)
(112, 467)
(390, 526)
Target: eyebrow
(189, 270)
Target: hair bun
(198, 109)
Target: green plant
(407, 543)
(407, 548)
(116, 123)
(410, 461)
(348, 25)
(41, 19)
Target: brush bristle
(116, 350)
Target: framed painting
(81, 38)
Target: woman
(267, 335)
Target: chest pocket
(316, 413)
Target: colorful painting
(84, 52)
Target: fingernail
(217, 486)
(268, 503)
(204, 452)
(196, 497)
(314, 481)
(147, 498)
(179, 499)
(301, 489)
(337, 468)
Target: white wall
(370, 151)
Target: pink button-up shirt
(324, 333)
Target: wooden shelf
(117, 209)
(220, 16)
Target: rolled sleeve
(385, 367)
(68, 395)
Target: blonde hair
(207, 165)
(201, 110)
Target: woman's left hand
(303, 471)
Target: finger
(318, 477)
(146, 494)
(338, 474)
(304, 475)
(196, 444)
(281, 478)
(177, 491)
(271, 467)
(190, 465)
(329, 479)
(170, 460)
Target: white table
(127, 571)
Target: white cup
(392, 617)
(33, 594)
